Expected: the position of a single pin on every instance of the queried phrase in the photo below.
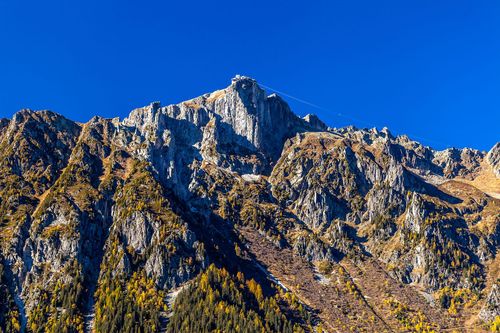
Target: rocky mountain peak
(315, 122)
(242, 118)
(242, 79)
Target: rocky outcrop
(315, 122)
(416, 214)
(493, 159)
(458, 162)
(247, 123)
(37, 145)
(423, 160)
(491, 307)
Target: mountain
(229, 213)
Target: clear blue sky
(427, 68)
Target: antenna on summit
(239, 77)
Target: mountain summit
(230, 213)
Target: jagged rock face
(36, 145)
(455, 162)
(34, 148)
(491, 308)
(4, 123)
(71, 225)
(315, 122)
(321, 177)
(152, 235)
(415, 215)
(448, 163)
(89, 208)
(493, 158)
(250, 127)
